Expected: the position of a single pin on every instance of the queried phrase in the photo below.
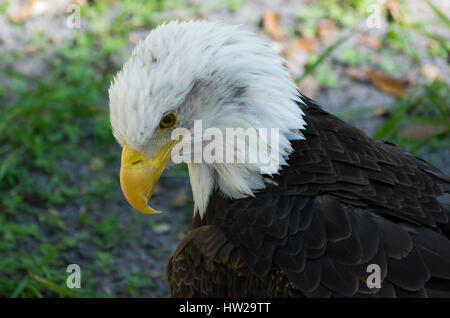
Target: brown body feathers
(344, 201)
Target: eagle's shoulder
(339, 159)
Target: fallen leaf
(308, 44)
(68, 7)
(296, 63)
(412, 80)
(370, 41)
(356, 73)
(387, 84)
(430, 72)
(381, 111)
(162, 228)
(297, 54)
(133, 37)
(96, 163)
(325, 29)
(31, 48)
(180, 200)
(136, 35)
(309, 86)
(271, 23)
(432, 43)
(31, 9)
(153, 273)
(420, 131)
(394, 9)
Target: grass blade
(22, 285)
(391, 125)
(438, 12)
(426, 141)
(53, 287)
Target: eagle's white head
(187, 71)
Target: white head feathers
(205, 71)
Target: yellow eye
(168, 121)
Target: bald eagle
(338, 214)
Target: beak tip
(149, 210)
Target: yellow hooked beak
(139, 175)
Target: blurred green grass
(54, 123)
(61, 116)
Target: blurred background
(380, 65)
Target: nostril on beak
(137, 162)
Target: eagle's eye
(168, 121)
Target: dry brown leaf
(96, 163)
(68, 7)
(325, 29)
(370, 41)
(380, 111)
(134, 36)
(271, 23)
(394, 9)
(412, 79)
(31, 48)
(296, 54)
(430, 72)
(31, 9)
(387, 84)
(307, 44)
(433, 44)
(420, 131)
(107, 1)
(296, 63)
(356, 73)
(181, 199)
(299, 45)
(309, 86)
(154, 273)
